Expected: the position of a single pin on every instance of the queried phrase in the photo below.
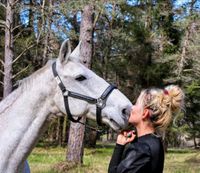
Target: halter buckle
(101, 103)
(66, 93)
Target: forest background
(135, 44)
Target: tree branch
(2, 72)
(1, 4)
(16, 27)
(20, 71)
(18, 34)
(96, 18)
(19, 56)
(2, 26)
(14, 3)
(2, 23)
(2, 62)
(1, 83)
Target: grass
(182, 161)
(43, 160)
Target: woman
(151, 114)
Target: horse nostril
(124, 111)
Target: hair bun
(176, 96)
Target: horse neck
(22, 120)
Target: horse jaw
(110, 117)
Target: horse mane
(28, 81)
(9, 100)
(23, 85)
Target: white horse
(24, 112)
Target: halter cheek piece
(100, 102)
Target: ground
(46, 160)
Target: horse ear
(65, 51)
(75, 55)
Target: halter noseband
(100, 102)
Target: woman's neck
(144, 129)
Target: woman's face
(137, 111)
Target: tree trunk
(76, 136)
(47, 31)
(195, 142)
(8, 59)
(60, 130)
(183, 59)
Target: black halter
(100, 102)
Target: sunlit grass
(182, 161)
(42, 160)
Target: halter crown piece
(100, 102)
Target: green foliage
(176, 130)
(192, 117)
(193, 88)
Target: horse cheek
(59, 102)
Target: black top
(144, 155)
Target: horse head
(79, 79)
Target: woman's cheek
(131, 118)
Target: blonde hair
(163, 103)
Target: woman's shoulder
(139, 145)
(150, 148)
(154, 143)
(150, 138)
(148, 142)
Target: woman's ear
(146, 113)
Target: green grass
(182, 161)
(43, 160)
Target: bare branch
(16, 27)
(2, 26)
(1, 4)
(24, 69)
(2, 62)
(183, 57)
(2, 72)
(14, 3)
(26, 49)
(19, 56)
(3, 23)
(96, 19)
(188, 70)
(1, 83)
(18, 34)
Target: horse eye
(80, 78)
